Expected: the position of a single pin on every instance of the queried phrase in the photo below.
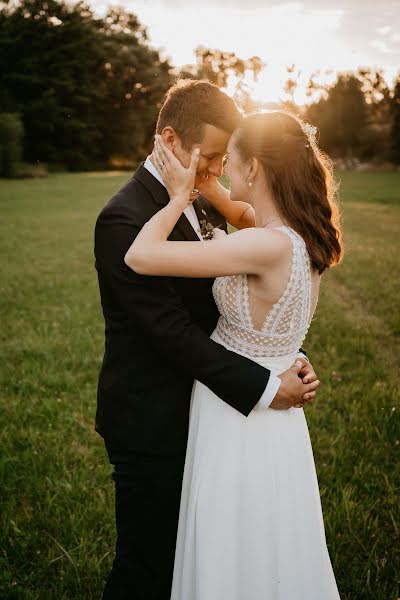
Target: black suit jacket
(157, 333)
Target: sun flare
(302, 35)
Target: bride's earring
(249, 183)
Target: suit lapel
(198, 206)
(156, 189)
(206, 212)
(185, 229)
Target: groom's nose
(216, 168)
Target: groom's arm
(154, 307)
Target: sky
(313, 35)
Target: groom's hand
(294, 391)
(308, 375)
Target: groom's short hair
(190, 104)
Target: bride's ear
(251, 168)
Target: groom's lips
(202, 175)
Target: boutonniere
(207, 230)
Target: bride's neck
(265, 208)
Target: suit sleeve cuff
(270, 392)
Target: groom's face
(212, 152)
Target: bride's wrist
(180, 201)
(217, 193)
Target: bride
(251, 525)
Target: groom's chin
(198, 181)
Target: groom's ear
(169, 137)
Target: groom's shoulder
(132, 201)
(127, 195)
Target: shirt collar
(152, 169)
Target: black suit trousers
(147, 498)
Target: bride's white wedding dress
(251, 525)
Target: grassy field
(56, 497)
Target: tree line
(78, 91)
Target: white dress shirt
(273, 382)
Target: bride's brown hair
(300, 178)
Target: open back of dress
(286, 323)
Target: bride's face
(235, 172)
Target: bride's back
(269, 315)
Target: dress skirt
(251, 524)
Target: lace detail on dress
(285, 325)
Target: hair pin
(310, 130)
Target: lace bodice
(285, 325)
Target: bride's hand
(178, 180)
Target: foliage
(11, 139)
(87, 87)
(353, 114)
(135, 83)
(341, 117)
(218, 67)
(56, 514)
(395, 113)
(26, 170)
(291, 83)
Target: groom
(157, 343)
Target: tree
(219, 67)
(11, 138)
(49, 62)
(377, 97)
(341, 117)
(85, 87)
(395, 114)
(290, 87)
(374, 85)
(316, 87)
(134, 83)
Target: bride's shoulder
(265, 241)
(264, 236)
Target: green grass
(56, 497)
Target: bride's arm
(246, 251)
(239, 214)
